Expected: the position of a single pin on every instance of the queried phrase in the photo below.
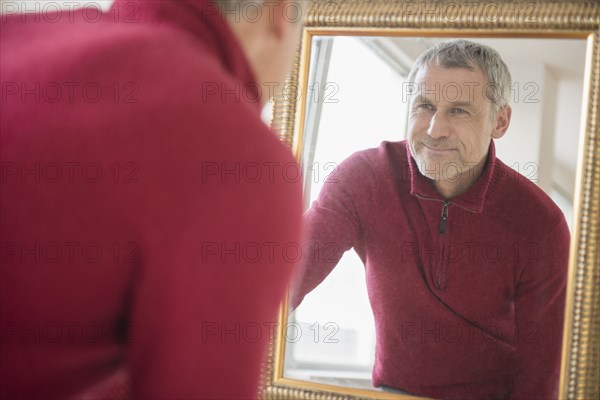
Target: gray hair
(460, 53)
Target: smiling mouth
(437, 149)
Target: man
(465, 260)
(125, 208)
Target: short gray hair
(460, 53)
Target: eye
(458, 111)
(426, 106)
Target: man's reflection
(465, 259)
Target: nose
(439, 126)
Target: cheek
(470, 133)
(417, 124)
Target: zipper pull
(444, 217)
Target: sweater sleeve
(539, 313)
(332, 224)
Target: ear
(279, 25)
(502, 122)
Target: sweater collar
(203, 21)
(473, 199)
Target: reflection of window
(360, 105)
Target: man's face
(450, 123)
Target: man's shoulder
(366, 172)
(126, 91)
(522, 206)
(379, 157)
(77, 48)
(116, 71)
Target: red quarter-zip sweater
(143, 215)
(467, 293)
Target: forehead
(450, 84)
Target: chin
(429, 168)
(439, 168)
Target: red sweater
(469, 308)
(142, 218)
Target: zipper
(443, 222)
(444, 217)
(442, 232)
(444, 202)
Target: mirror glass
(356, 98)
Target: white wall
(568, 132)
(520, 146)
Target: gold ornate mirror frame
(580, 372)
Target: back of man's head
(268, 31)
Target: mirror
(353, 94)
(355, 106)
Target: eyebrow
(464, 104)
(425, 99)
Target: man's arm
(333, 224)
(539, 313)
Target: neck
(246, 37)
(460, 183)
